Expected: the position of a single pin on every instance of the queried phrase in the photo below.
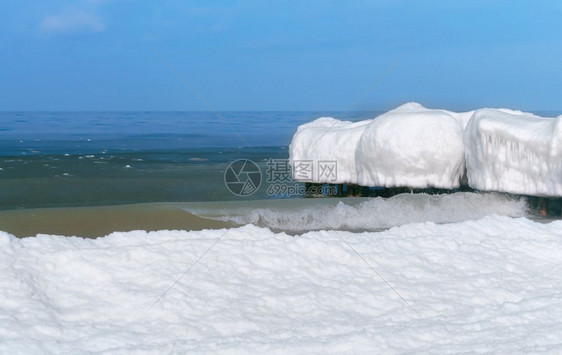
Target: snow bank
(411, 146)
(515, 152)
(328, 139)
(479, 286)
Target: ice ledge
(499, 149)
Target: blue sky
(279, 55)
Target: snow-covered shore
(490, 285)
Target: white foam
(375, 213)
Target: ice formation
(408, 146)
(514, 152)
(328, 139)
(411, 146)
(500, 149)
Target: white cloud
(72, 21)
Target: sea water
(55, 159)
(161, 168)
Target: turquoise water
(56, 159)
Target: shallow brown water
(91, 222)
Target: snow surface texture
(491, 285)
(328, 139)
(408, 146)
(375, 214)
(515, 152)
(411, 146)
(503, 150)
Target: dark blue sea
(58, 159)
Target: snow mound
(411, 146)
(515, 152)
(328, 139)
(499, 149)
(408, 146)
(486, 286)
